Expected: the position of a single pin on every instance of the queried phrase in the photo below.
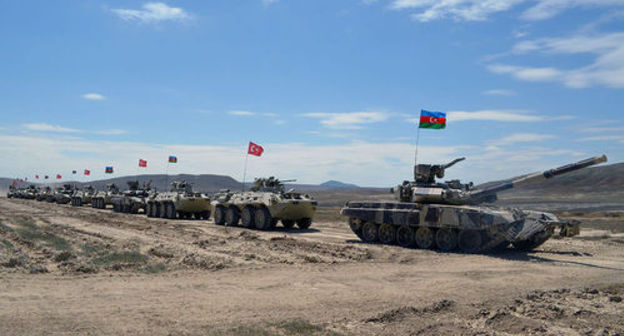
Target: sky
(332, 89)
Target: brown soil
(80, 271)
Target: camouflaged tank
(134, 199)
(179, 202)
(64, 193)
(103, 198)
(451, 215)
(263, 206)
(83, 196)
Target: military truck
(82, 196)
(63, 194)
(134, 199)
(103, 198)
(179, 202)
(264, 205)
(429, 214)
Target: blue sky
(331, 89)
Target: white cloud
(43, 127)
(153, 12)
(480, 10)
(521, 137)
(489, 115)
(241, 113)
(602, 129)
(354, 120)
(606, 69)
(499, 92)
(617, 138)
(93, 96)
(113, 131)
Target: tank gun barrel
(452, 163)
(288, 181)
(537, 177)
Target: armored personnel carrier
(44, 194)
(82, 196)
(133, 199)
(450, 215)
(264, 205)
(63, 195)
(30, 192)
(179, 202)
(103, 198)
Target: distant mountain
(338, 184)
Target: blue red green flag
(173, 159)
(109, 170)
(434, 120)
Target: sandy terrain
(80, 271)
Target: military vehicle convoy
(103, 198)
(63, 194)
(179, 202)
(450, 215)
(263, 206)
(12, 191)
(133, 199)
(82, 196)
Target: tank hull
(450, 227)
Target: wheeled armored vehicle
(134, 199)
(266, 203)
(180, 202)
(103, 198)
(450, 215)
(63, 194)
(83, 196)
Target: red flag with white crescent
(142, 163)
(255, 149)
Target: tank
(82, 196)
(451, 215)
(103, 198)
(30, 192)
(180, 202)
(64, 193)
(263, 206)
(134, 199)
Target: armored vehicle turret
(83, 196)
(452, 214)
(30, 192)
(266, 203)
(134, 199)
(103, 198)
(63, 194)
(179, 202)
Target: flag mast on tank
(255, 150)
(432, 120)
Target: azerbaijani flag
(173, 159)
(435, 120)
(109, 170)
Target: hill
(338, 184)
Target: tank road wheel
(262, 218)
(247, 217)
(304, 223)
(219, 215)
(232, 216)
(470, 240)
(446, 239)
(370, 232)
(288, 223)
(405, 236)
(387, 233)
(424, 237)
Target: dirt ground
(81, 271)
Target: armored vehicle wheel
(205, 215)
(274, 223)
(163, 209)
(247, 217)
(79, 202)
(148, 209)
(171, 211)
(405, 236)
(288, 223)
(470, 240)
(232, 216)
(304, 223)
(262, 218)
(157, 209)
(219, 215)
(424, 237)
(370, 232)
(446, 239)
(387, 233)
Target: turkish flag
(58, 176)
(142, 163)
(255, 149)
(87, 172)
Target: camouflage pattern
(263, 206)
(450, 215)
(179, 202)
(134, 199)
(101, 199)
(83, 196)
(64, 193)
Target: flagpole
(245, 170)
(417, 141)
(167, 173)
